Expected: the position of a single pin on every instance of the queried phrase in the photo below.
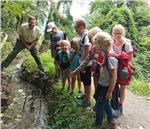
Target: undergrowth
(64, 113)
(48, 63)
(140, 87)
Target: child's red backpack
(96, 55)
(125, 69)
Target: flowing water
(28, 108)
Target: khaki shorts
(64, 73)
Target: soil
(5, 92)
(136, 113)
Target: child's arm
(113, 74)
(87, 49)
(83, 64)
(57, 61)
(72, 55)
(112, 67)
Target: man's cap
(50, 26)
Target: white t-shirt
(105, 77)
(84, 40)
(118, 49)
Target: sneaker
(85, 103)
(118, 112)
(111, 124)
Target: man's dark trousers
(17, 48)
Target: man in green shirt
(29, 34)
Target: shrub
(47, 61)
(140, 87)
(121, 16)
(141, 65)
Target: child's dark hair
(80, 22)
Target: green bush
(140, 9)
(121, 16)
(47, 61)
(140, 87)
(65, 114)
(141, 65)
(99, 10)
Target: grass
(47, 62)
(140, 87)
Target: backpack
(82, 41)
(64, 63)
(96, 55)
(125, 69)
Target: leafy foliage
(140, 9)
(142, 67)
(65, 114)
(99, 10)
(121, 16)
(140, 87)
(47, 61)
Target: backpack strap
(83, 38)
(65, 35)
(66, 54)
(123, 47)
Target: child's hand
(73, 51)
(73, 73)
(94, 62)
(58, 67)
(108, 95)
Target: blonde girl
(120, 43)
(74, 63)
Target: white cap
(50, 26)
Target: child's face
(98, 47)
(74, 46)
(64, 47)
(80, 29)
(117, 35)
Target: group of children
(84, 57)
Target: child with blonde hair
(95, 55)
(107, 79)
(74, 63)
(62, 61)
(121, 44)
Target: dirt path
(136, 113)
